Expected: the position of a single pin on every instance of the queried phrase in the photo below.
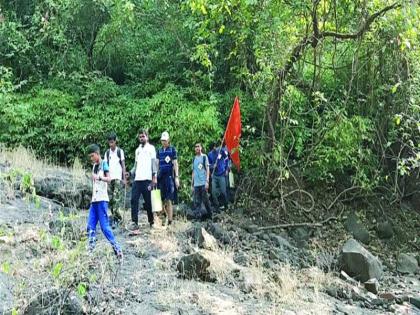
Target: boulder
(407, 263)
(357, 230)
(385, 230)
(194, 266)
(202, 238)
(359, 263)
(219, 232)
(54, 302)
(70, 189)
(206, 241)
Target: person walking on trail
(114, 156)
(144, 173)
(168, 174)
(200, 183)
(99, 205)
(218, 158)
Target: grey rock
(71, 190)
(301, 236)
(407, 263)
(385, 230)
(358, 231)
(219, 233)
(415, 301)
(194, 266)
(54, 302)
(359, 263)
(202, 238)
(273, 255)
(240, 258)
(265, 237)
(372, 285)
(281, 242)
(252, 228)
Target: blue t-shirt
(199, 167)
(219, 158)
(166, 156)
(104, 167)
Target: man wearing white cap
(168, 174)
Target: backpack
(203, 161)
(107, 153)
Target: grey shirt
(199, 167)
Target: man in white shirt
(144, 173)
(114, 156)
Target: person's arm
(155, 166)
(176, 171)
(176, 167)
(106, 178)
(192, 181)
(123, 168)
(207, 174)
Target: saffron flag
(233, 133)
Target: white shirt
(100, 188)
(144, 159)
(115, 168)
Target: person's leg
(215, 190)
(169, 211)
(227, 187)
(146, 192)
(91, 225)
(106, 228)
(222, 186)
(118, 195)
(135, 195)
(197, 198)
(111, 189)
(205, 198)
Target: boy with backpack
(99, 205)
(200, 183)
(115, 159)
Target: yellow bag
(156, 200)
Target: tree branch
(365, 27)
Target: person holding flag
(219, 158)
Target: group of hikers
(152, 170)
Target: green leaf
(57, 270)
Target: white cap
(165, 136)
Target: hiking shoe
(133, 226)
(133, 229)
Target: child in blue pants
(99, 206)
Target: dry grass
(25, 159)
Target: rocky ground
(227, 266)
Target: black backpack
(107, 153)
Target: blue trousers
(98, 212)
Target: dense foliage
(327, 87)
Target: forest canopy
(329, 89)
